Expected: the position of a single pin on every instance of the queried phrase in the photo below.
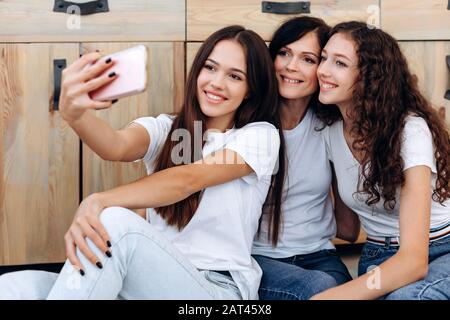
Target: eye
(235, 77)
(310, 60)
(283, 53)
(340, 63)
(209, 67)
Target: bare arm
(175, 184)
(410, 263)
(347, 221)
(76, 107)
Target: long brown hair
(385, 93)
(260, 105)
(291, 31)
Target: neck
(344, 108)
(293, 111)
(220, 123)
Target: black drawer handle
(286, 7)
(58, 66)
(83, 8)
(447, 59)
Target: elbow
(415, 266)
(420, 271)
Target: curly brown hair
(385, 93)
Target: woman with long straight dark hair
(295, 250)
(391, 152)
(206, 200)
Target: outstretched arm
(410, 263)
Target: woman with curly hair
(391, 153)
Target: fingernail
(107, 242)
(114, 101)
(97, 50)
(112, 74)
(108, 253)
(108, 60)
(81, 55)
(81, 272)
(99, 265)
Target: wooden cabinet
(45, 170)
(416, 19)
(207, 16)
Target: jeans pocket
(220, 280)
(370, 252)
(442, 241)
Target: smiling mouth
(213, 98)
(328, 86)
(290, 81)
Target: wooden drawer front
(39, 156)
(426, 60)
(164, 94)
(206, 16)
(416, 19)
(127, 20)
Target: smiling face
(296, 67)
(222, 83)
(338, 70)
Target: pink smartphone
(131, 67)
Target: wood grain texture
(137, 20)
(39, 157)
(416, 19)
(426, 59)
(163, 95)
(206, 16)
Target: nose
(217, 82)
(292, 64)
(322, 70)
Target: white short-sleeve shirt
(417, 149)
(308, 220)
(220, 234)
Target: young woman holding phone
(206, 211)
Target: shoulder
(416, 125)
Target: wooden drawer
(39, 156)
(126, 20)
(416, 19)
(426, 59)
(206, 16)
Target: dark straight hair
(261, 104)
(289, 32)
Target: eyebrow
(307, 52)
(233, 69)
(339, 55)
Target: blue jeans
(144, 265)
(301, 276)
(435, 286)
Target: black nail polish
(82, 272)
(112, 74)
(114, 101)
(108, 253)
(81, 55)
(107, 242)
(99, 265)
(108, 60)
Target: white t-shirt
(417, 149)
(220, 234)
(308, 219)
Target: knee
(321, 281)
(118, 221)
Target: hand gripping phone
(131, 67)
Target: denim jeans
(301, 276)
(435, 286)
(144, 265)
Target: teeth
(290, 80)
(327, 86)
(213, 97)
